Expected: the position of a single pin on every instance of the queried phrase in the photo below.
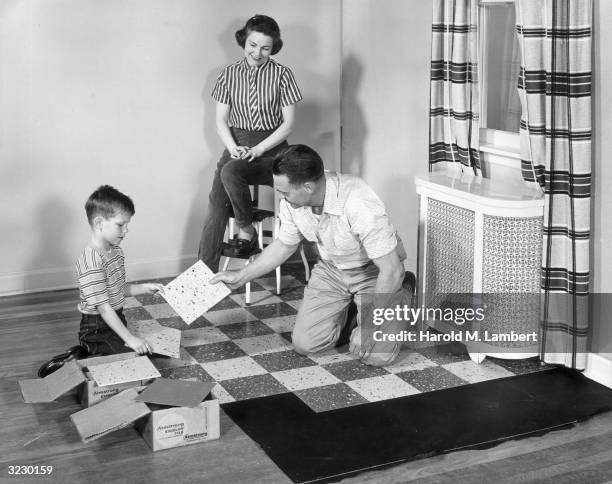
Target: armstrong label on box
(166, 428)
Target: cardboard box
(91, 393)
(168, 427)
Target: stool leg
(260, 234)
(230, 231)
(247, 294)
(225, 263)
(278, 280)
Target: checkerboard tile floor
(246, 350)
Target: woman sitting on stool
(255, 109)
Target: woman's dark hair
(299, 163)
(263, 24)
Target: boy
(100, 271)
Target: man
(361, 256)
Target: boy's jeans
(98, 338)
(230, 194)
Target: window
(500, 110)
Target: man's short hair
(106, 202)
(299, 163)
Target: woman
(255, 107)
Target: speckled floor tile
(215, 351)
(353, 370)
(257, 298)
(255, 286)
(382, 387)
(431, 379)
(137, 314)
(292, 293)
(221, 394)
(131, 302)
(149, 299)
(274, 310)
(521, 367)
(308, 377)
(330, 397)
(186, 372)
(162, 310)
(229, 316)
(245, 330)
(166, 362)
(409, 360)
(225, 303)
(332, 355)
(474, 372)
(202, 336)
(233, 368)
(287, 280)
(282, 324)
(445, 353)
(253, 387)
(283, 360)
(268, 343)
(175, 322)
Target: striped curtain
(555, 92)
(454, 100)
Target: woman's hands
(246, 153)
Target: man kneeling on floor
(361, 258)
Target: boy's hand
(140, 346)
(152, 288)
(232, 278)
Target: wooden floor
(37, 326)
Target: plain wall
(118, 92)
(386, 50)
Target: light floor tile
(295, 304)
(233, 368)
(474, 372)
(131, 302)
(258, 345)
(382, 387)
(202, 336)
(331, 355)
(409, 360)
(162, 310)
(227, 316)
(257, 297)
(222, 395)
(166, 362)
(307, 377)
(282, 324)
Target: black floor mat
(328, 446)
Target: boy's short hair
(106, 202)
(264, 25)
(299, 163)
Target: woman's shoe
(244, 247)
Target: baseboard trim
(63, 277)
(599, 369)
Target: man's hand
(232, 278)
(152, 287)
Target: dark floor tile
(225, 303)
(168, 362)
(200, 322)
(283, 360)
(245, 330)
(521, 367)
(174, 322)
(431, 379)
(186, 372)
(146, 299)
(295, 293)
(254, 287)
(137, 314)
(274, 310)
(445, 353)
(330, 397)
(287, 336)
(215, 351)
(353, 370)
(253, 386)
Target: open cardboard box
(161, 426)
(91, 393)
